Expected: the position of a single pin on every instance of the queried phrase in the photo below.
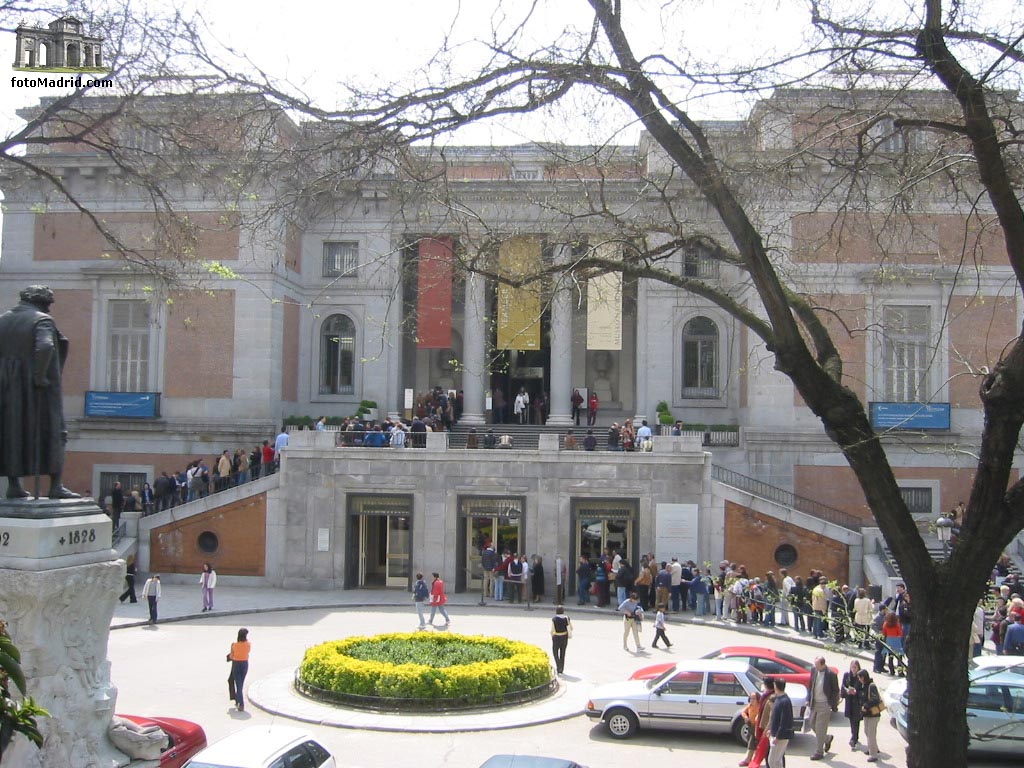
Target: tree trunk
(938, 649)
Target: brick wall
(200, 349)
(241, 540)
(72, 310)
(752, 538)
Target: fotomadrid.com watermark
(61, 82)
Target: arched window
(700, 358)
(337, 356)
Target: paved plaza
(177, 668)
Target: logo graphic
(60, 47)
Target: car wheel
(621, 723)
(741, 731)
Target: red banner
(434, 294)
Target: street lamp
(944, 529)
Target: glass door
(398, 557)
(481, 531)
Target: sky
(315, 46)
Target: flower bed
(404, 671)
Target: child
(659, 629)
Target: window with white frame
(886, 137)
(700, 358)
(697, 262)
(128, 344)
(337, 356)
(341, 259)
(906, 353)
(917, 499)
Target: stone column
(559, 404)
(641, 375)
(475, 369)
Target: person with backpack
(420, 593)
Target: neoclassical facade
(362, 293)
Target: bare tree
(863, 163)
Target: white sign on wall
(676, 532)
(323, 539)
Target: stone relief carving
(59, 620)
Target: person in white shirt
(788, 582)
(643, 435)
(398, 436)
(151, 591)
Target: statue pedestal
(59, 580)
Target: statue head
(37, 294)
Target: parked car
(528, 761)
(979, 667)
(184, 738)
(265, 747)
(995, 711)
(770, 662)
(698, 694)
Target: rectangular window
(129, 481)
(341, 259)
(907, 353)
(918, 500)
(700, 265)
(128, 330)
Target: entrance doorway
(379, 542)
(484, 521)
(600, 525)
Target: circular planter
(424, 672)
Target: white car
(995, 706)
(265, 747)
(698, 694)
(893, 695)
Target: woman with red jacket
(438, 599)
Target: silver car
(995, 711)
(699, 694)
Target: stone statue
(32, 432)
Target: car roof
(751, 649)
(249, 747)
(988, 676)
(711, 665)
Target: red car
(184, 738)
(764, 660)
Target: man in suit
(822, 701)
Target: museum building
(360, 292)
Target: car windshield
(664, 677)
(805, 665)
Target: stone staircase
(524, 436)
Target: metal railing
(786, 498)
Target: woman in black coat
(852, 692)
(537, 578)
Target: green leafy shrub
(418, 666)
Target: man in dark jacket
(32, 431)
(780, 727)
(583, 575)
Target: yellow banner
(519, 308)
(604, 305)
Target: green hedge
(425, 666)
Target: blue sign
(910, 415)
(132, 405)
